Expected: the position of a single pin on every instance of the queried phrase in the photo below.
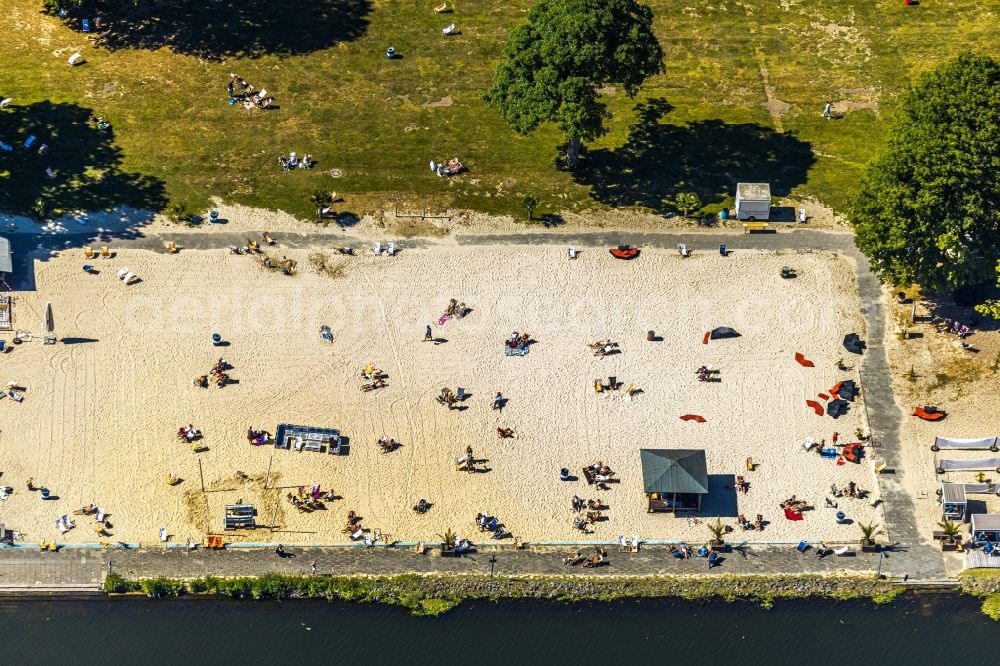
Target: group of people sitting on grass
(294, 162)
(98, 123)
(238, 89)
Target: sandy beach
(102, 406)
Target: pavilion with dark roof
(674, 479)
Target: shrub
(991, 607)
(161, 587)
(115, 584)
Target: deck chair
(61, 526)
(843, 550)
(377, 250)
(448, 30)
(14, 396)
(461, 394)
(682, 250)
(357, 534)
(7, 101)
(802, 547)
(85, 25)
(101, 515)
(105, 252)
(88, 252)
(75, 59)
(390, 248)
(6, 147)
(30, 141)
(163, 534)
(442, 8)
(571, 252)
(122, 272)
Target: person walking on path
(428, 336)
(312, 566)
(828, 111)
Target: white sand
(98, 421)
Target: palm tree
(447, 539)
(950, 529)
(868, 531)
(717, 529)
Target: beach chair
(377, 249)
(571, 252)
(682, 250)
(390, 249)
(30, 141)
(5, 102)
(359, 533)
(461, 394)
(101, 515)
(442, 8)
(61, 526)
(105, 252)
(75, 59)
(88, 252)
(85, 25)
(14, 396)
(842, 551)
(163, 534)
(448, 30)
(802, 547)
(6, 147)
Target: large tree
(928, 210)
(553, 66)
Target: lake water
(925, 629)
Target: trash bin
(651, 336)
(45, 493)
(216, 339)
(723, 251)
(213, 215)
(724, 214)
(564, 474)
(390, 53)
(841, 517)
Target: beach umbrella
(50, 324)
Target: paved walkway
(650, 560)
(70, 570)
(910, 555)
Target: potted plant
(867, 532)
(447, 543)
(950, 537)
(718, 530)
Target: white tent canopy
(984, 444)
(978, 464)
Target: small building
(239, 517)
(753, 201)
(674, 480)
(985, 528)
(308, 438)
(953, 500)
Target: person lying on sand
(574, 559)
(505, 433)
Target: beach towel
(443, 318)
(823, 396)
(816, 407)
(705, 339)
(803, 361)
(515, 351)
(926, 415)
(693, 417)
(792, 514)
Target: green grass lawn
(741, 98)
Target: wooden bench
(750, 227)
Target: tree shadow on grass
(83, 160)
(216, 29)
(707, 157)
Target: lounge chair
(448, 30)
(571, 252)
(85, 25)
(357, 534)
(369, 541)
(842, 551)
(682, 250)
(75, 59)
(30, 141)
(377, 250)
(163, 534)
(803, 546)
(4, 103)
(461, 394)
(390, 249)
(101, 515)
(61, 526)
(928, 414)
(88, 252)
(105, 252)
(442, 8)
